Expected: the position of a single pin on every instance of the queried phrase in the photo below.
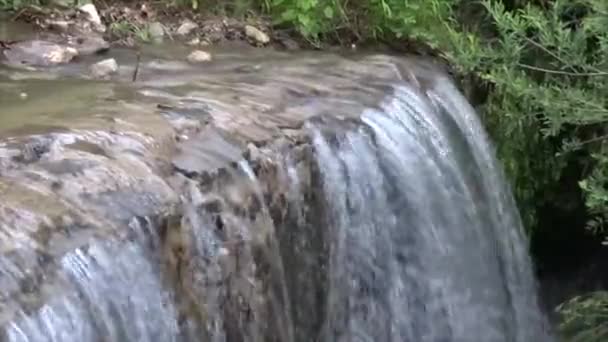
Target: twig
(592, 140)
(19, 14)
(554, 55)
(559, 72)
(549, 52)
(136, 71)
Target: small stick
(136, 71)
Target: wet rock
(58, 25)
(88, 44)
(199, 56)
(194, 42)
(252, 152)
(186, 28)
(256, 35)
(104, 68)
(93, 17)
(38, 53)
(289, 44)
(156, 31)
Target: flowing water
(271, 197)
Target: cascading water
(114, 294)
(353, 206)
(425, 241)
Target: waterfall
(368, 219)
(425, 240)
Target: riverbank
(129, 25)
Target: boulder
(38, 53)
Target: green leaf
(289, 15)
(328, 12)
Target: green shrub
(549, 70)
(320, 19)
(585, 318)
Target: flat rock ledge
(229, 211)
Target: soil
(127, 23)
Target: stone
(186, 28)
(194, 42)
(199, 56)
(256, 35)
(104, 68)
(88, 44)
(61, 56)
(156, 31)
(93, 17)
(253, 153)
(290, 44)
(58, 25)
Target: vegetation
(585, 319)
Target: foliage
(126, 28)
(548, 67)
(585, 318)
(316, 19)
(16, 4)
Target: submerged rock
(199, 56)
(257, 35)
(38, 53)
(104, 68)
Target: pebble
(199, 56)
